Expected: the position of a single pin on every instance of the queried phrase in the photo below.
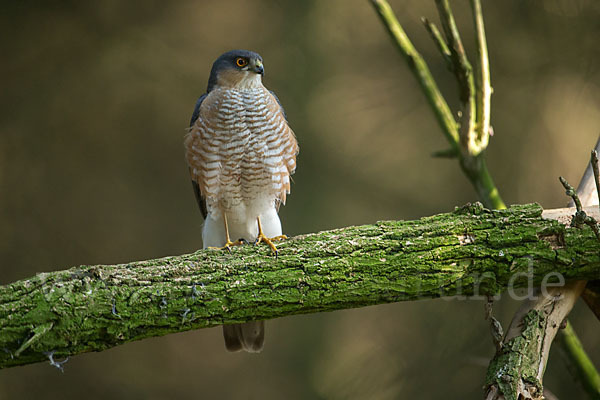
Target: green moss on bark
(516, 365)
(470, 251)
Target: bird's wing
(201, 200)
(278, 102)
(196, 113)
(278, 201)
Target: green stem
(474, 167)
(420, 70)
(475, 130)
(464, 75)
(462, 66)
(439, 41)
(580, 365)
(480, 140)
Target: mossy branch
(472, 251)
(473, 137)
(517, 369)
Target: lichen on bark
(469, 251)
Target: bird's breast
(241, 149)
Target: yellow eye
(241, 62)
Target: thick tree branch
(517, 370)
(581, 367)
(468, 252)
(473, 133)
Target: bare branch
(421, 71)
(464, 74)
(472, 162)
(439, 41)
(511, 372)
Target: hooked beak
(257, 66)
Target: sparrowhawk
(241, 153)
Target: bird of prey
(241, 153)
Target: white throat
(250, 80)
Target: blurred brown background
(94, 102)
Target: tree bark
(471, 251)
(517, 370)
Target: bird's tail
(249, 337)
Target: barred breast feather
(241, 148)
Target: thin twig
(570, 191)
(580, 218)
(439, 41)
(464, 75)
(462, 66)
(581, 366)
(421, 71)
(447, 153)
(479, 142)
(474, 166)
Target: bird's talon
(261, 237)
(278, 238)
(268, 242)
(229, 245)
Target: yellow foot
(269, 241)
(229, 244)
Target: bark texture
(517, 370)
(469, 251)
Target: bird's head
(236, 69)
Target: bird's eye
(241, 62)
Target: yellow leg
(228, 243)
(269, 241)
